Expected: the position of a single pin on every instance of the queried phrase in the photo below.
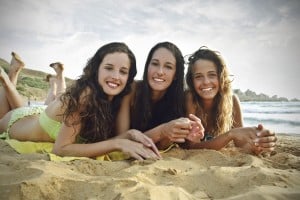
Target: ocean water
(281, 117)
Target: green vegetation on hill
(249, 95)
(31, 83)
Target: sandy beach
(181, 174)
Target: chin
(112, 93)
(207, 97)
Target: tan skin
(161, 73)
(57, 83)
(9, 96)
(238, 119)
(132, 142)
(249, 139)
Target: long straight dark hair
(171, 106)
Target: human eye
(169, 66)
(124, 71)
(212, 75)
(154, 63)
(108, 67)
(198, 76)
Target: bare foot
(58, 67)
(16, 63)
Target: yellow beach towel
(46, 147)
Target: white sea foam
(282, 117)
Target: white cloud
(258, 39)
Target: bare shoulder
(235, 100)
(237, 112)
(130, 96)
(133, 87)
(188, 95)
(191, 107)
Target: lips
(158, 80)
(112, 84)
(206, 89)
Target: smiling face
(161, 70)
(113, 73)
(205, 79)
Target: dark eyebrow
(123, 67)
(171, 63)
(198, 73)
(109, 64)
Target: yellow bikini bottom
(49, 125)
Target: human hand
(138, 136)
(265, 140)
(136, 150)
(197, 131)
(254, 139)
(244, 138)
(177, 130)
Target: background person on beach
(157, 102)
(210, 98)
(81, 121)
(57, 83)
(9, 96)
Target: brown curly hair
(223, 103)
(86, 97)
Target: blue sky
(259, 40)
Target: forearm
(87, 150)
(156, 133)
(217, 143)
(124, 135)
(163, 143)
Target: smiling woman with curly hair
(210, 98)
(213, 92)
(81, 121)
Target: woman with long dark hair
(82, 121)
(156, 104)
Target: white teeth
(207, 89)
(158, 79)
(113, 85)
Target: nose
(205, 79)
(160, 71)
(116, 75)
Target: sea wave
(279, 116)
(272, 121)
(273, 111)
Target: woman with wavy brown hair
(210, 93)
(210, 98)
(82, 121)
